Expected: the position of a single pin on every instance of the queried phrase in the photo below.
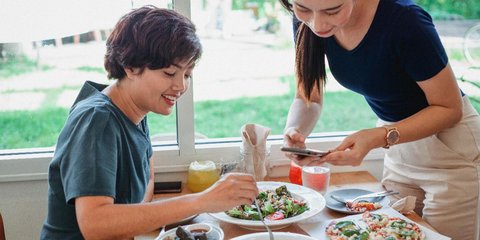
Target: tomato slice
(275, 216)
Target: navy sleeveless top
(401, 48)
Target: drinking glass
(316, 177)
(201, 175)
(295, 173)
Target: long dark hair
(150, 37)
(309, 58)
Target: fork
(370, 195)
(270, 234)
(161, 233)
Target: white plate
(315, 202)
(184, 221)
(277, 235)
(317, 230)
(350, 193)
(170, 234)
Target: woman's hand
(356, 146)
(232, 190)
(293, 138)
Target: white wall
(23, 205)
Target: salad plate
(313, 199)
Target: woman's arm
(444, 110)
(99, 218)
(301, 120)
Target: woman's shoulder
(404, 19)
(407, 13)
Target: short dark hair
(150, 37)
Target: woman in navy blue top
(101, 176)
(390, 52)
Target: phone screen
(305, 151)
(167, 187)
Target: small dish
(350, 193)
(200, 228)
(215, 234)
(184, 221)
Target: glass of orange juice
(201, 175)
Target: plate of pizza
(375, 226)
(385, 224)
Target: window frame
(32, 164)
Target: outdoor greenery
(342, 111)
(439, 9)
(259, 5)
(17, 65)
(450, 10)
(91, 69)
(40, 128)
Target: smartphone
(305, 151)
(167, 187)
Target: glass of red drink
(295, 173)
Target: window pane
(43, 68)
(246, 71)
(246, 74)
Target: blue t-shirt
(400, 49)
(99, 152)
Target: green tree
(443, 9)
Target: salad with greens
(275, 205)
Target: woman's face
(158, 90)
(324, 17)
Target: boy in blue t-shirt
(101, 176)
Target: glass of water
(316, 177)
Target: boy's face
(158, 90)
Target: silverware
(162, 231)
(370, 195)
(270, 234)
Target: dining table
(338, 180)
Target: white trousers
(443, 172)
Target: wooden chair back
(2, 228)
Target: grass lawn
(19, 65)
(342, 111)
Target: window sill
(32, 164)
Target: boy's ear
(131, 71)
